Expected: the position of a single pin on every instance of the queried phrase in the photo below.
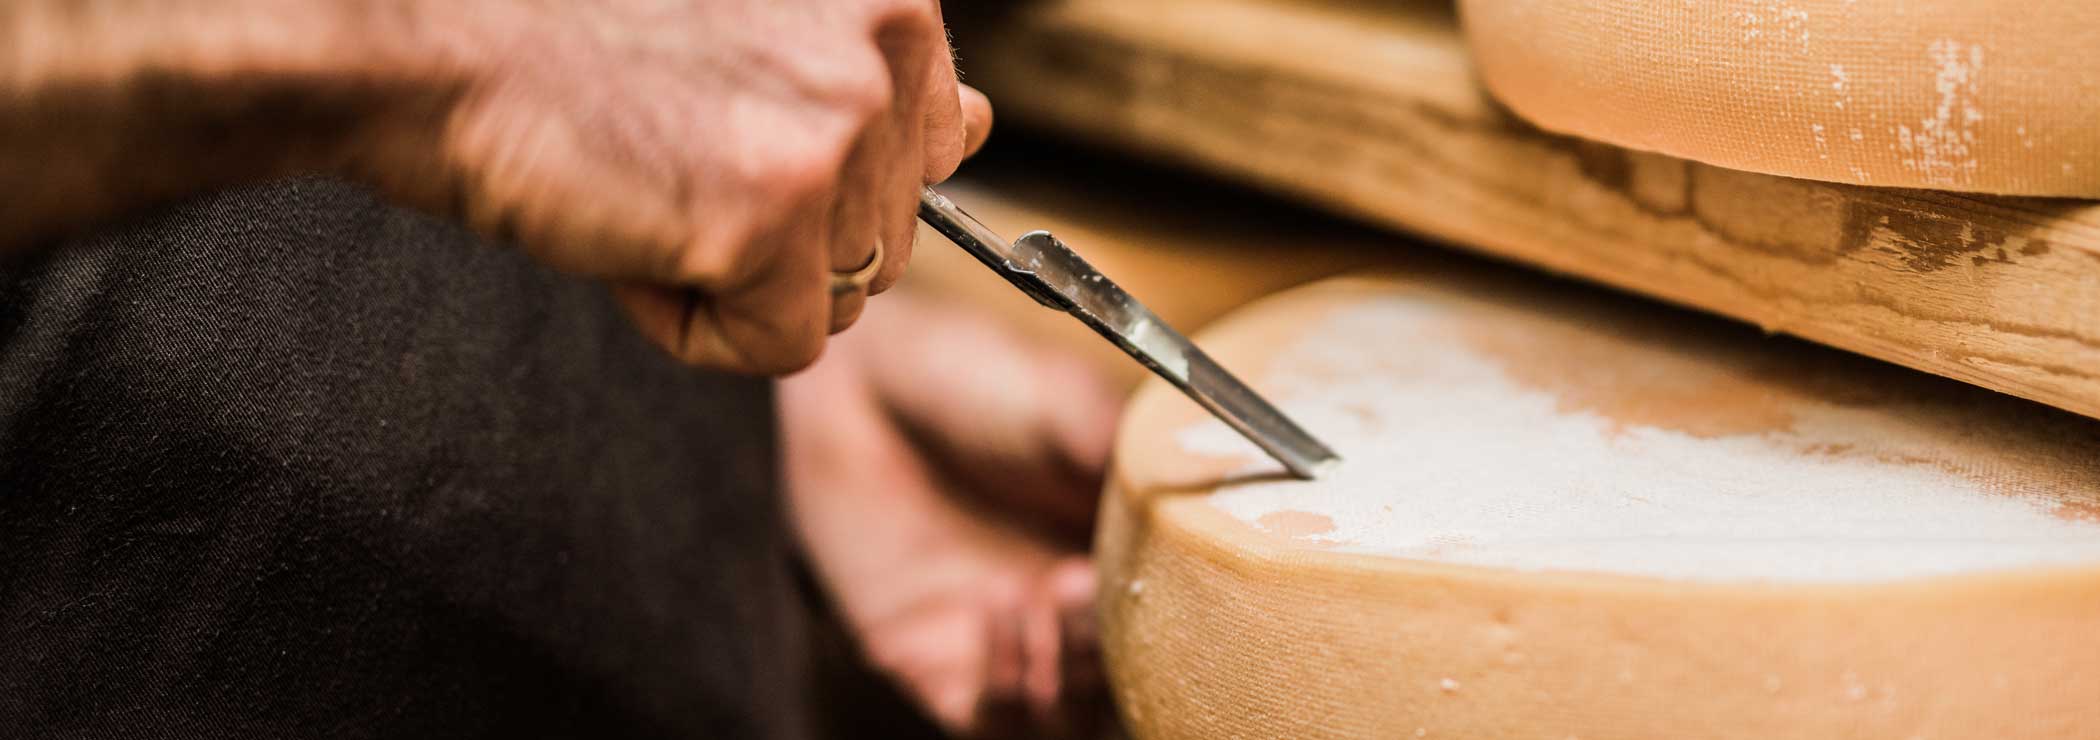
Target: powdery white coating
(1941, 147)
(1446, 458)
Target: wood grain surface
(1373, 110)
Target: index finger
(976, 120)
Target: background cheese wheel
(1971, 95)
(1566, 515)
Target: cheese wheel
(1565, 515)
(1971, 95)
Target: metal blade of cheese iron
(1055, 276)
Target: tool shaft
(1055, 276)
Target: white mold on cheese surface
(1456, 451)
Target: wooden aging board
(1565, 514)
(1372, 109)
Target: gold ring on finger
(857, 280)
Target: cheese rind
(1968, 95)
(1237, 604)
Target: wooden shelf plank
(1374, 111)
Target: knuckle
(705, 265)
(799, 167)
(853, 81)
(807, 172)
(908, 21)
(715, 257)
(862, 96)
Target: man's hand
(942, 476)
(716, 160)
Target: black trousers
(288, 462)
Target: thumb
(976, 120)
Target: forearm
(106, 106)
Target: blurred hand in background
(942, 475)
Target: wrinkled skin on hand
(717, 160)
(942, 476)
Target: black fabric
(287, 462)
